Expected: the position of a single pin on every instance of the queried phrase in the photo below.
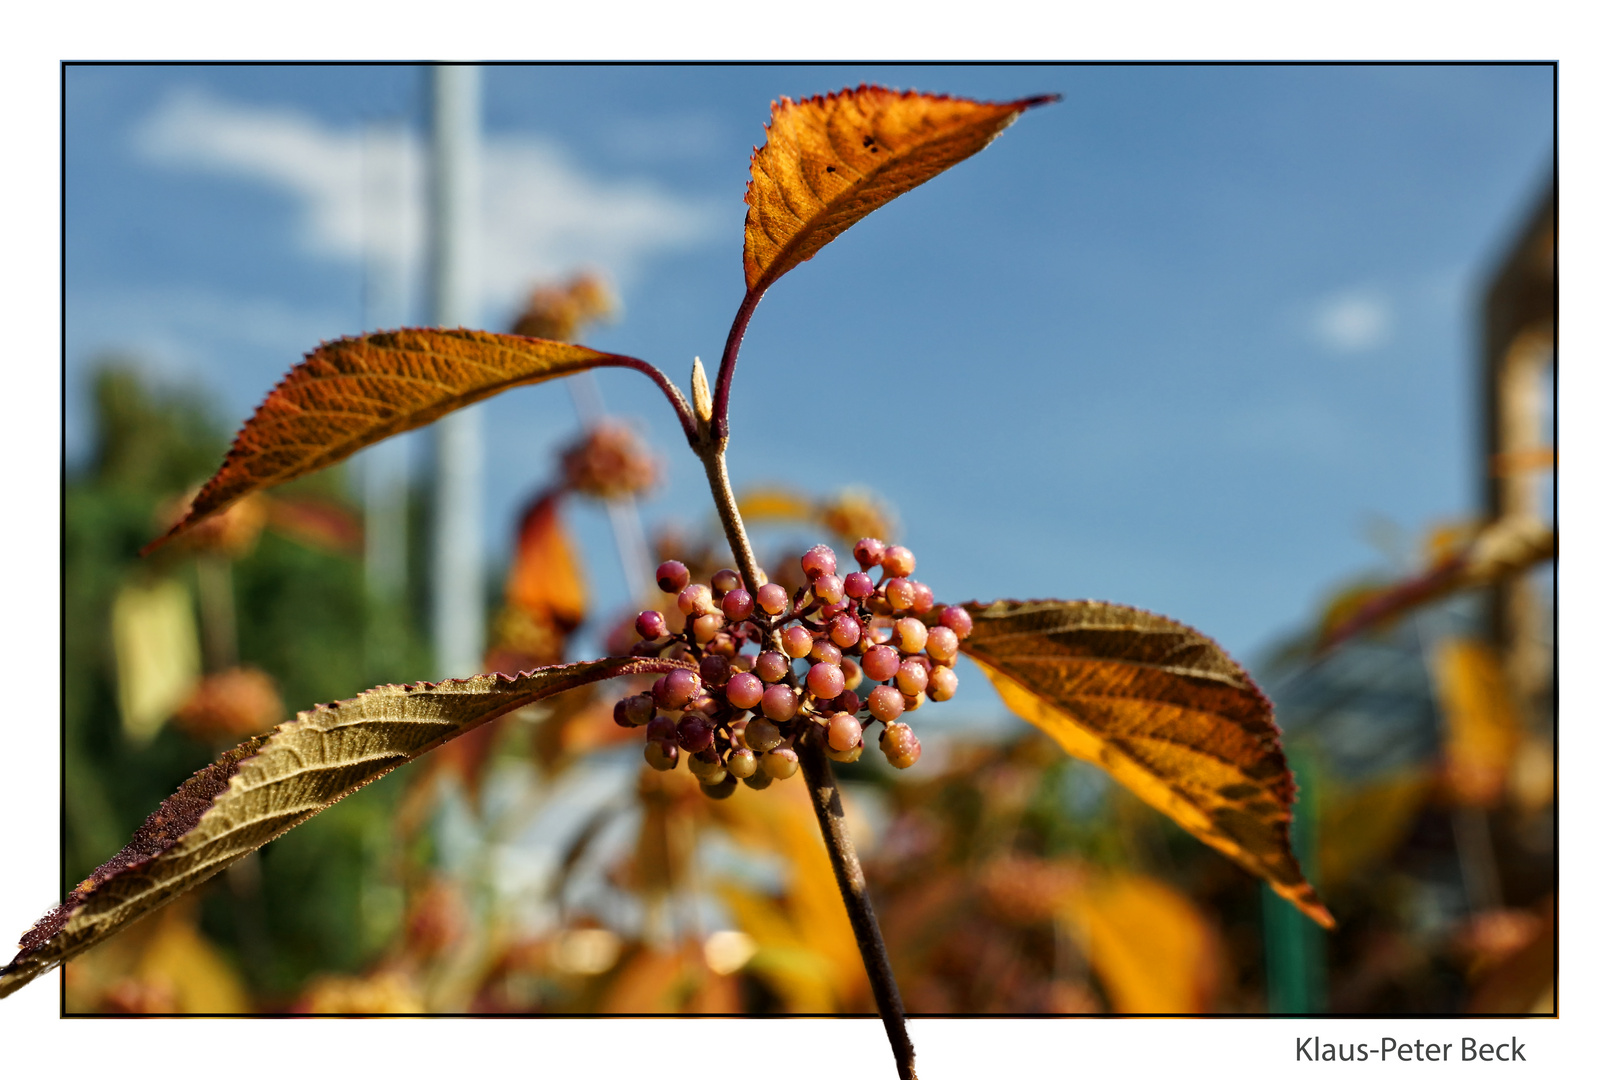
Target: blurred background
(1265, 349)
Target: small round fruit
(724, 581)
(721, 788)
(880, 662)
(780, 703)
(677, 689)
(843, 732)
(672, 576)
(844, 631)
(899, 593)
(759, 781)
(695, 733)
(650, 624)
(818, 561)
(885, 703)
(773, 599)
(706, 627)
(913, 702)
(661, 728)
(745, 690)
(941, 684)
(695, 600)
(796, 640)
(899, 744)
(825, 652)
(899, 561)
(942, 643)
(772, 666)
(706, 766)
(858, 585)
(922, 597)
(957, 618)
(825, 680)
(852, 672)
(714, 670)
(911, 678)
(742, 764)
(761, 734)
(829, 589)
(737, 605)
(850, 756)
(662, 755)
(637, 709)
(910, 636)
(849, 701)
(869, 552)
(780, 763)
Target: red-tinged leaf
(544, 580)
(1164, 710)
(317, 523)
(275, 781)
(828, 161)
(351, 393)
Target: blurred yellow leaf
(765, 503)
(1150, 946)
(1363, 824)
(1481, 726)
(155, 648)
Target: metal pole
(458, 564)
(385, 467)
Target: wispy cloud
(359, 193)
(1353, 321)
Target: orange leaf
(828, 161)
(353, 392)
(1163, 709)
(544, 580)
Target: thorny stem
(818, 774)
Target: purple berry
(714, 670)
(885, 703)
(825, 652)
(661, 729)
(724, 581)
(672, 576)
(677, 689)
(825, 680)
(780, 703)
(744, 691)
(773, 599)
(858, 585)
(695, 732)
(848, 701)
(941, 684)
(899, 561)
(737, 605)
(869, 552)
(818, 561)
(650, 624)
(922, 597)
(880, 662)
(957, 618)
(843, 732)
(772, 666)
(844, 631)
(797, 642)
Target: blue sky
(1174, 341)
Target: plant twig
(714, 464)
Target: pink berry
(677, 689)
(844, 631)
(780, 703)
(941, 684)
(911, 678)
(922, 597)
(694, 600)
(825, 652)
(650, 624)
(910, 636)
(773, 599)
(899, 744)
(843, 732)
(899, 593)
(714, 670)
(858, 585)
(744, 691)
(706, 627)
(672, 576)
(661, 729)
(818, 561)
(825, 680)
(662, 755)
(772, 667)
(737, 605)
(797, 642)
(957, 618)
(724, 581)
(899, 561)
(885, 703)
(880, 662)
(869, 552)
(942, 643)
(829, 589)
(695, 732)
(849, 701)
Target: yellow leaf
(155, 647)
(779, 503)
(1481, 727)
(1151, 948)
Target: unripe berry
(869, 552)
(899, 561)
(818, 561)
(913, 702)
(922, 597)
(941, 684)
(714, 670)
(910, 636)
(661, 729)
(780, 763)
(850, 756)
(706, 766)
(880, 663)
(650, 624)
(759, 781)
(772, 666)
(796, 640)
(724, 581)
(706, 627)
(721, 788)
(662, 755)
(825, 680)
(911, 677)
(737, 605)
(638, 709)
(899, 744)
(780, 703)
(843, 732)
(941, 643)
(825, 652)
(695, 600)
(899, 593)
(844, 631)
(852, 672)
(742, 764)
(858, 585)
(773, 599)
(677, 689)
(761, 734)
(885, 703)
(672, 576)
(829, 589)
(744, 691)
(957, 618)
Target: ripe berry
(843, 732)
(773, 599)
(880, 663)
(852, 672)
(721, 788)
(858, 585)
(714, 670)
(818, 561)
(662, 755)
(780, 703)
(899, 561)
(744, 690)
(922, 597)
(869, 552)
(825, 680)
(742, 764)
(825, 652)
(695, 600)
(845, 631)
(899, 744)
(885, 703)
(639, 709)
(705, 704)
(620, 716)
(911, 677)
(695, 732)
(772, 666)
(913, 702)
(661, 729)
(796, 640)
(676, 690)
(957, 618)
(724, 581)
(762, 735)
(941, 684)
(650, 624)
(942, 643)
(706, 627)
(899, 593)
(780, 763)
(910, 636)
(829, 589)
(737, 605)
(672, 576)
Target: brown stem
(818, 776)
(714, 463)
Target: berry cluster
(777, 672)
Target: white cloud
(543, 215)
(1353, 321)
